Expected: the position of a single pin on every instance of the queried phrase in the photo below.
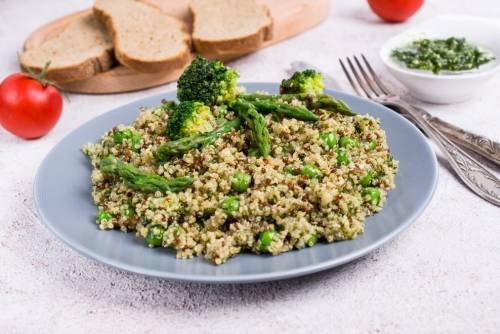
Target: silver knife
(487, 148)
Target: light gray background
(441, 275)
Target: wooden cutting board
(291, 17)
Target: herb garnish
(452, 54)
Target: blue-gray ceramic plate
(63, 198)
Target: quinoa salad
(227, 172)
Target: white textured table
(441, 275)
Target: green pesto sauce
(452, 54)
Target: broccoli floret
(189, 118)
(307, 81)
(167, 105)
(207, 81)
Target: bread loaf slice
(78, 52)
(145, 38)
(229, 26)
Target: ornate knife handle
(481, 145)
(471, 172)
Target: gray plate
(63, 198)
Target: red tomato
(28, 109)
(395, 10)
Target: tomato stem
(43, 74)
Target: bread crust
(142, 65)
(239, 45)
(75, 72)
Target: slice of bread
(78, 52)
(145, 38)
(229, 26)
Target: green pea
(329, 138)
(154, 237)
(136, 142)
(367, 179)
(344, 141)
(348, 142)
(372, 194)
(372, 145)
(118, 137)
(135, 138)
(231, 205)
(266, 238)
(127, 210)
(311, 171)
(127, 134)
(312, 240)
(103, 216)
(342, 157)
(241, 182)
(289, 170)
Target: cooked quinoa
(306, 191)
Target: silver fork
(479, 179)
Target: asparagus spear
(140, 180)
(320, 101)
(267, 106)
(179, 147)
(256, 122)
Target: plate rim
(247, 278)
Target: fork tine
(353, 84)
(363, 85)
(367, 77)
(382, 87)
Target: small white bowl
(446, 87)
